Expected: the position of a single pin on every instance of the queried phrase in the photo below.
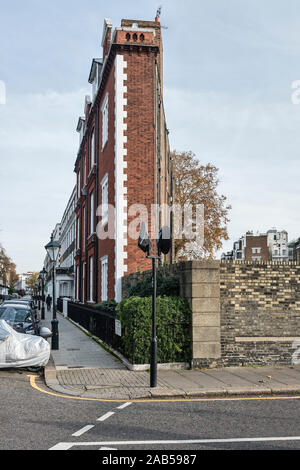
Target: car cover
(21, 350)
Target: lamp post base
(153, 363)
(55, 335)
(43, 312)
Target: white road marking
(63, 446)
(83, 430)
(108, 448)
(107, 415)
(68, 445)
(124, 406)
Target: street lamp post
(53, 248)
(43, 274)
(163, 246)
(39, 292)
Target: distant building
(3, 289)
(256, 247)
(251, 247)
(65, 272)
(20, 285)
(272, 245)
(227, 256)
(294, 250)
(64, 233)
(239, 249)
(278, 245)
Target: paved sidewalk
(83, 368)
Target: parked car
(23, 320)
(20, 317)
(30, 303)
(20, 350)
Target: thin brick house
(123, 158)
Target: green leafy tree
(8, 274)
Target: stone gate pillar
(200, 284)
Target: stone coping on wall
(276, 263)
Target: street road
(32, 419)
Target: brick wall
(260, 312)
(244, 313)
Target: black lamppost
(53, 248)
(163, 246)
(43, 275)
(39, 291)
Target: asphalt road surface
(32, 419)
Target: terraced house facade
(123, 158)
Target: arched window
(128, 37)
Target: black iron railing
(60, 304)
(99, 323)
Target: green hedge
(173, 329)
(166, 285)
(108, 306)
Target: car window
(15, 315)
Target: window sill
(103, 147)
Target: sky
(229, 67)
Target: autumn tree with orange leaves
(197, 184)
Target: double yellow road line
(32, 379)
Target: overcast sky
(228, 71)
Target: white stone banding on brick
(120, 174)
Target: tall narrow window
(92, 213)
(83, 229)
(104, 278)
(93, 149)
(84, 171)
(83, 282)
(104, 185)
(77, 233)
(78, 184)
(91, 278)
(104, 110)
(77, 282)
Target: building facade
(65, 270)
(256, 248)
(64, 233)
(123, 160)
(278, 245)
(272, 246)
(294, 250)
(21, 284)
(3, 288)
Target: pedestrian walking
(48, 302)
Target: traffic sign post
(163, 246)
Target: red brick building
(256, 248)
(123, 158)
